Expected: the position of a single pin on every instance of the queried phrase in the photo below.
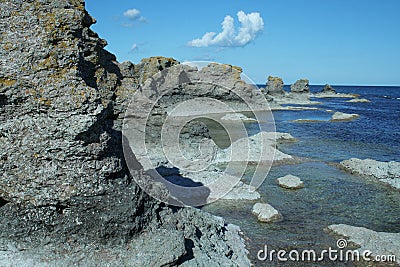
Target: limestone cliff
(64, 185)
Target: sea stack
(328, 89)
(300, 86)
(274, 86)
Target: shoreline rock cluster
(299, 97)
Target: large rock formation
(64, 185)
(300, 86)
(274, 86)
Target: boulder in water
(290, 182)
(266, 213)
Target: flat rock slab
(266, 213)
(358, 100)
(340, 116)
(386, 172)
(290, 182)
(237, 117)
(379, 243)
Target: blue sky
(343, 42)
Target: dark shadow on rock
(189, 245)
(129, 157)
(3, 202)
(3, 100)
(184, 189)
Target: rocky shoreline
(68, 196)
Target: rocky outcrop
(290, 182)
(150, 66)
(386, 172)
(65, 188)
(378, 243)
(266, 213)
(328, 89)
(274, 86)
(300, 86)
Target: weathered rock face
(60, 152)
(57, 115)
(64, 184)
(274, 86)
(328, 89)
(150, 66)
(300, 86)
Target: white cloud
(251, 25)
(134, 47)
(134, 14)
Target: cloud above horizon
(134, 14)
(251, 25)
(134, 47)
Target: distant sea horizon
(339, 85)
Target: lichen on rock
(274, 86)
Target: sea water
(330, 196)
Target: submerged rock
(274, 86)
(340, 116)
(266, 213)
(300, 86)
(386, 172)
(378, 243)
(290, 182)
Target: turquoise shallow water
(330, 196)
